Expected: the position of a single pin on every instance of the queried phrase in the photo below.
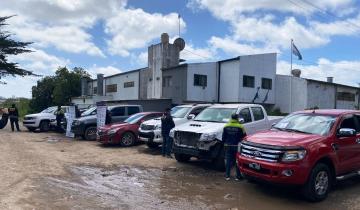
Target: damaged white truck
(202, 137)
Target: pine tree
(8, 47)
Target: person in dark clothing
(77, 112)
(14, 117)
(59, 113)
(108, 117)
(167, 123)
(233, 133)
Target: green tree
(8, 47)
(21, 103)
(58, 89)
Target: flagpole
(179, 23)
(291, 77)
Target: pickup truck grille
(147, 127)
(189, 139)
(261, 152)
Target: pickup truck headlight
(172, 133)
(208, 137)
(157, 127)
(293, 155)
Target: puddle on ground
(171, 188)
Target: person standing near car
(233, 133)
(14, 117)
(59, 113)
(167, 123)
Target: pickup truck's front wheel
(318, 185)
(182, 158)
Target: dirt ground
(50, 171)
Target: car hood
(157, 121)
(44, 115)
(202, 127)
(112, 126)
(282, 138)
(86, 118)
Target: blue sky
(113, 36)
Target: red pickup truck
(311, 149)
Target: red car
(126, 133)
(311, 149)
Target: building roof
(174, 67)
(123, 73)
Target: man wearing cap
(233, 133)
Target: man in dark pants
(14, 117)
(167, 123)
(59, 113)
(233, 133)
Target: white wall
(131, 93)
(260, 66)
(347, 104)
(321, 95)
(229, 80)
(282, 95)
(196, 93)
(83, 102)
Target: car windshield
(306, 123)
(49, 110)
(221, 115)
(179, 112)
(134, 118)
(89, 111)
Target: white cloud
(106, 70)
(233, 47)
(135, 28)
(344, 72)
(231, 9)
(193, 54)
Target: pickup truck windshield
(49, 110)
(134, 118)
(179, 112)
(306, 123)
(221, 115)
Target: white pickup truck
(43, 120)
(202, 137)
(150, 131)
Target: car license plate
(255, 166)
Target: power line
(196, 54)
(329, 13)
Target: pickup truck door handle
(358, 140)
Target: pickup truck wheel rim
(321, 183)
(127, 139)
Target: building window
(345, 96)
(95, 90)
(111, 88)
(167, 81)
(248, 81)
(266, 83)
(200, 80)
(129, 84)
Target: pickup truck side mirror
(191, 116)
(346, 132)
(241, 120)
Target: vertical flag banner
(101, 113)
(295, 51)
(70, 116)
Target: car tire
(152, 145)
(90, 133)
(44, 126)
(319, 183)
(127, 139)
(182, 158)
(31, 129)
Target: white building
(295, 93)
